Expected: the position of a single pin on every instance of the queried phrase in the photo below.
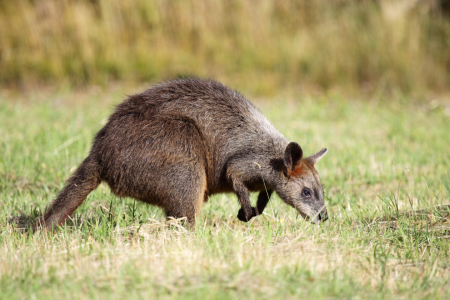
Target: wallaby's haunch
(179, 142)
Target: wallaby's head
(299, 185)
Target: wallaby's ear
(292, 155)
(316, 157)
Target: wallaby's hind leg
(85, 179)
(192, 193)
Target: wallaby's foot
(23, 223)
(245, 217)
(183, 222)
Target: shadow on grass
(434, 220)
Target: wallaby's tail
(85, 179)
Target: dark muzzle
(323, 216)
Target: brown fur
(179, 142)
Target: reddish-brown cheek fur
(300, 169)
(297, 171)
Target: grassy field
(262, 45)
(387, 157)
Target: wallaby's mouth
(317, 217)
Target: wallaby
(181, 141)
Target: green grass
(386, 158)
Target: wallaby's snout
(316, 216)
(320, 216)
(323, 215)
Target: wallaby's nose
(323, 216)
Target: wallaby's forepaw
(246, 217)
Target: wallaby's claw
(245, 218)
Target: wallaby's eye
(306, 193)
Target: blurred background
(260, 46)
